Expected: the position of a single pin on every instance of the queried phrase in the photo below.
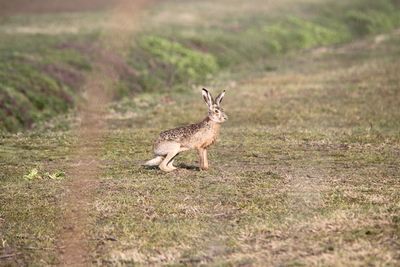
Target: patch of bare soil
(84, 169)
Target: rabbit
(194, 136)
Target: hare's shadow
(179, 166)
(188, 166)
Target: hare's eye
(216, 111)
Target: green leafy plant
(34, 174)
(179, 64)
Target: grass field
(306, 171)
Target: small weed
(32, 175)
(35, 174)
(57, 175)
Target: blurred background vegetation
(44, 56)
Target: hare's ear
(219, 98)
(207, 97)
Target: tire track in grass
(74, 240)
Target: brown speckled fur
(198, 135)
(194, 136)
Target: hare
(194, 136)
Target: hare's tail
(154, 162)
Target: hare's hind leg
(154, 162)
(170, 164)
(171, 149)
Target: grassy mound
(245, 39)
(41, 78)
(165, 63)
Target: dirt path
(85, 168)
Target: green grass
(306, 171)
(30, 208)
(45, 57)
(40, 79)
(43, 61)
(171, 64)
(249, 38)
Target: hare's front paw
(203, 168)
